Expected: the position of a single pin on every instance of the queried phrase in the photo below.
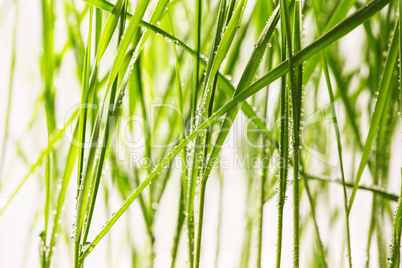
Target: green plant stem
(284, 153)
(264, 176)
(82, 192)
(394, 260)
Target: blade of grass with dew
(297, 103)
(283, 151)
(383, 90)
(248, 75)
(82, 184)
(228, 37)
(207, 93)
(381, 168)
(70, 163)
(217, 60)
(129, 33)
(327, 39)
(284, 148)
(295, 76)
(394, 259)
(92, 191)
(83, 109)
(205, 110)
(211, 92)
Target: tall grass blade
(383, 90)
(395, 258)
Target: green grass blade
(283, 151)
(156, 16)
(246, 79)
(70, 163)
(91, 192)
(296, 83)
(383, 90)
(109, 29)
(82, 189)
(129, 34)
(205, 110)
(394, 259)
(228, 37)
